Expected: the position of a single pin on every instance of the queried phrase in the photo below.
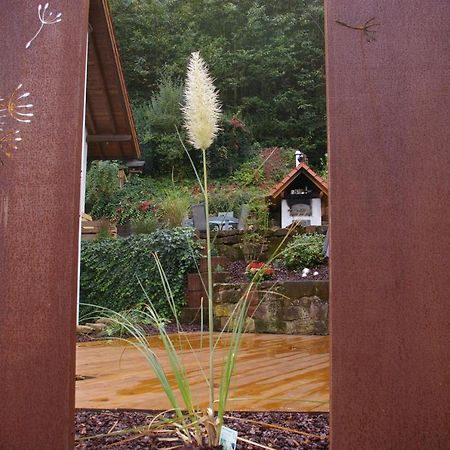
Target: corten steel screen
(388, 87)
(42, 86)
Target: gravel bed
(277, 430)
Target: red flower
(255, 265)
(236, 123)
(144, 206)
(263, 271)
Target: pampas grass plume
(201, 104)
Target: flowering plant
(258, 271)
(144, 206)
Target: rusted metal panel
(388, 112)
(39, 218)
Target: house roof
(302, 168)
(109, 120)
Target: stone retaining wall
(239, 245)
(290, 307)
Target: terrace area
(273, 373)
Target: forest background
(267, 59)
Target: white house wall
(83, 173)
(84, 155)
(315, 218)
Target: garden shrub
(250, 173)
(305, 250)
(258, 218)
(147, 225)
(110, 270)
(234, 146)
(101, 182)
(131, 203)
(157, 121)
(278, 162)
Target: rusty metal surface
(39, 208)
(389, 136)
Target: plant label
(228, 438)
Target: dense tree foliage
(266, 56)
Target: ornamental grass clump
(190, 423)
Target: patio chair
(243, 216)
(199, 217)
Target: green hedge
(110, 270)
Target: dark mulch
(281, 273)
(301, 431)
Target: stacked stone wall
(291, 307)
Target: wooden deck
(273, 373)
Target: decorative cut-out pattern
(13, 108)
(46, 17)
(8, 142)
(368, 28)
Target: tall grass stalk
(210, 286)
(201, 114)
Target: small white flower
(316, 273)
(306, 270)
(202, 108)
(304, 275)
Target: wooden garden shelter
(301, 196)
(111, 133)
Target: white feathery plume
(202, 108)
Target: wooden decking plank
(273, 372)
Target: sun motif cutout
(13, 108)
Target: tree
(267, 58)
(157, 121)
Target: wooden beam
(109, 138)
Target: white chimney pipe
(298, 158)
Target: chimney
(298, 158)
